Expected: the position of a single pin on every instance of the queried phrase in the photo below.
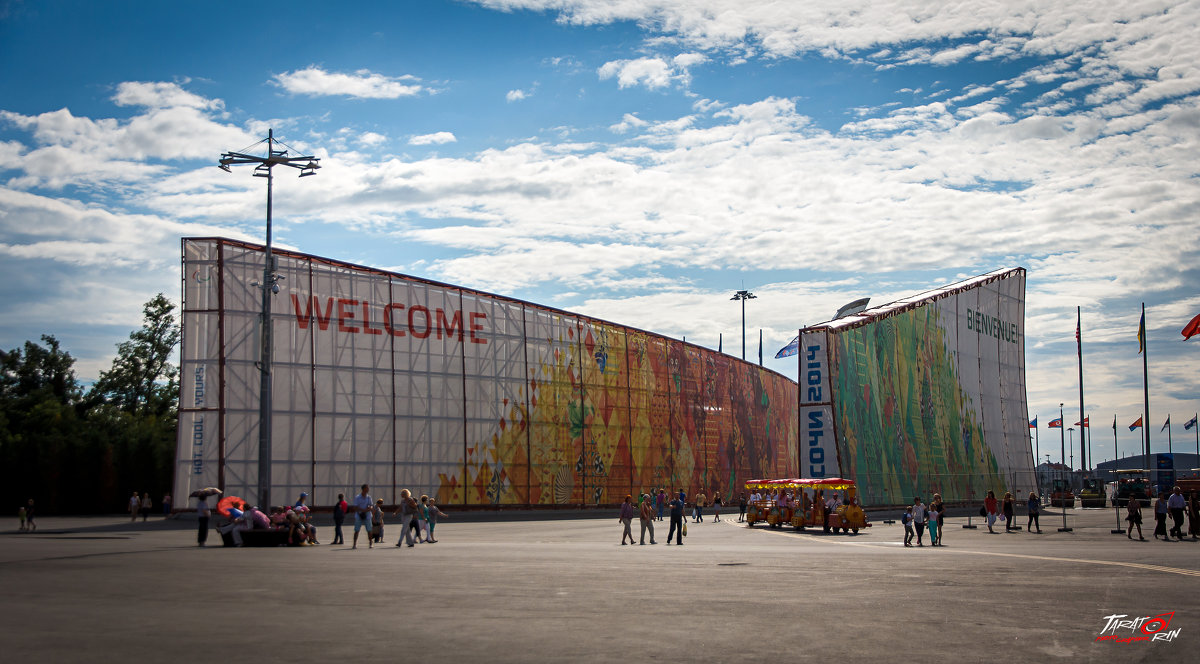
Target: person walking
(203, 512)
(434, 513)
(408, 512)
(147, 505)
(677, 506)
(363, 505)
(741, 507)
(931, 518)
(423, 518)
(699, 507)
(166, 503)
(1034, 508)
(1133, 514)
(646, 514)
(936, 505)
(626, 518)
(716, 506)
(1176, 504)
(377, 522)
(662, 503)
(1194, 516)
(1009, 507)
(918, 512)
(907, 520)
(30, 526)
(21, 516)
(135, 506)
(1160, 517)
(339, 517)
(990, 509)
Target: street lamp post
(307, 165)
(1063, 458)
(744, 295)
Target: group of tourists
(416, 515)
(659, 500)
(291, 526)
(651, 505)
(918, 516)
(1175, 505)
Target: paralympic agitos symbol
(394, 318)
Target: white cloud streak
(314, 81)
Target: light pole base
(1065, 530)
(1117, 532)
(969, 526)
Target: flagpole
(1170, 451)
(1145, 382)
(1036, 451)
(1196, 418)
(1062, 438)
(1116, 476)
(1083, 423)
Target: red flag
(1192, 329)
(1085, 422)
(1055, 423)
(1136, 425)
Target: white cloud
(628, 121)
(436, 138)
(651, 72)
(515, 95)
(362, 84)
(160, 95)
(371, 139)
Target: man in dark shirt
(677, 506)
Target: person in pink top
(626, 518)
(989, 506)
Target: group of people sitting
(291, 525)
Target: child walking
(933, 525)
(907, 520)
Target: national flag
(1190, 423)
(1033, 422)
(1114, 425)
(721, 343)
(1055, 423)
(1165, 424)
(1142, 334)
(789, 350)
(1085, 422)
(1136, 425)
(1192, 329)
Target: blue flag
(789, 350)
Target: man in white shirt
(204, 513)
(919, 519)
(1175, 504)
(362, 515)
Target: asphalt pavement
(101, 589)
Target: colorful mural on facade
(478, 399)
(923, 403)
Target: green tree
(142, 380)
(134, 408)
(39, 424)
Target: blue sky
(636, 161)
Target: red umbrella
(227, 502)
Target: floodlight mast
(744, 295)
(307, 165)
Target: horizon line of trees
(83, 451)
